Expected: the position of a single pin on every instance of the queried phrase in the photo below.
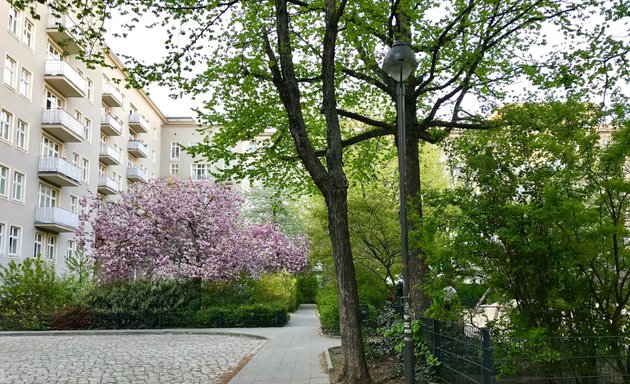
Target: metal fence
(472, 355)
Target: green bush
(73, 317)
(328, 306)
(307, 287)
(243, 316)
(279, 288)
(30, 293)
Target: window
(87, 129)
(21, 130)
(90, 89)
(76, 159)
(18, 186)
(85, 170)
(10, 67)
(28, 34)
(14, 240)
(50, 148)
(46, 196)
(175, 150)
(174, 169)
(4, 181)
(51, 245)
(74, 204)
(2, 227)
(13, 20)
(38, 245)
(101, 170)
(52, 101)
(26, 78)
(6, 119)
(200, 171)
(53, 53)
(71, 248)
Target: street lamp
(399, 63)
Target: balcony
(138, 123)
(112, 96)
(110, 125)
(108, 186)
(61, 76)
(59, 172)
(109, 155)
(136, 174)
(62, 125)
(60, 28)
(56, 219)
(137, 149)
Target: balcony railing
(110, 125)
(108, 186)
(137, 174)
(137, 149)
(59, 171)
(138, 123)
(56, 219)
(112, 96)
(62, 125)
(61, 28)
(64, 78)
(109, 155)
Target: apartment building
(65, 131)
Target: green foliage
(30, 292)
(280, 289)
(387, 339)
(307, 286)
(328, 306)
(256, 315)
(73, 317)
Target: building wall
(68, 134)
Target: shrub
(30, 293)
(307, 287)
(279, 288)
(243, 316)
(328, 305)
(73, 317)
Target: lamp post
(399, 63)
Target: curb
(122, 332)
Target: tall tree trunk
(355, 367)
(419, 301)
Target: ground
(383, 371)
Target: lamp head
(400, 61)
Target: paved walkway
(292, 354)
(289, 355)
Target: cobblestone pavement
(122, 358)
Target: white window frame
(38, 244)
(175, 150)
(26, 81)
(52, 52)
(90, 88)
(52, 100)
(13, 21)
(10, 71)
(195, 169)
(5, 172)
(14, 240)
(47, 196)
(28, 33)
(71, 248)
(85, 169)
(74, 204)
(21, 134)
(21, 185)
(3, 227)
(6, 121)
(174, 169)
(51, 248)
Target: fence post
(487, 369)
(436, 338)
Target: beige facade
(68, 131)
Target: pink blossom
(181, 228)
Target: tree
(303, 67)
(182, 228)
(541, 215)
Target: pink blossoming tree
(181, 228)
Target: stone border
(110, 332)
